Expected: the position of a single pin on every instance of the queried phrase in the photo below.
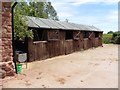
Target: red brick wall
(6, 32)
(6, 40)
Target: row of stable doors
(47, 49)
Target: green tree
(51, 11)
(20, 28)
(42, 10)
(110, 32)
(116, 37)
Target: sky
(100, 13)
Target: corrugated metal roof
(47, 23)
(41, 24)
(86, 27)
(75, 26)
(67, 25)
(56, 24)
(96, 29)
(80, 26)
(31, 23)
(36, 23)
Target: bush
(110, 32)
(112, 38)
(116, 37)
(107, 38)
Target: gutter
(13, 36)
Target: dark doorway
(96, 34)
(39, 35)
(69, 35)
(85, 34)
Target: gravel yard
(93, 68)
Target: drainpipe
(13, 36)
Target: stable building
(53, 38)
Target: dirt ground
(93, 68)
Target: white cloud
(64, 10)
(65, 15)
(78, 2)
(67, 9)
(113, 16)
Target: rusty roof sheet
(48, 23)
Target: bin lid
(22, 57)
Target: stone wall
(7, 66)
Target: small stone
(10, 73)
(81, 80)
(68, 76)
(40, 73)
(37, 78)
(27, 83)
(2, 73)
(7, 68)
(2, 65)
(10, 63)
(43, 85)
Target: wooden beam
(77, 34)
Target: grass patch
(107, 38)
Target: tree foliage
(20, 28)
(42, 10)
(116, 37)
(110, 32)
(38, 9)
(112, 38)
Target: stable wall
(52, 47)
